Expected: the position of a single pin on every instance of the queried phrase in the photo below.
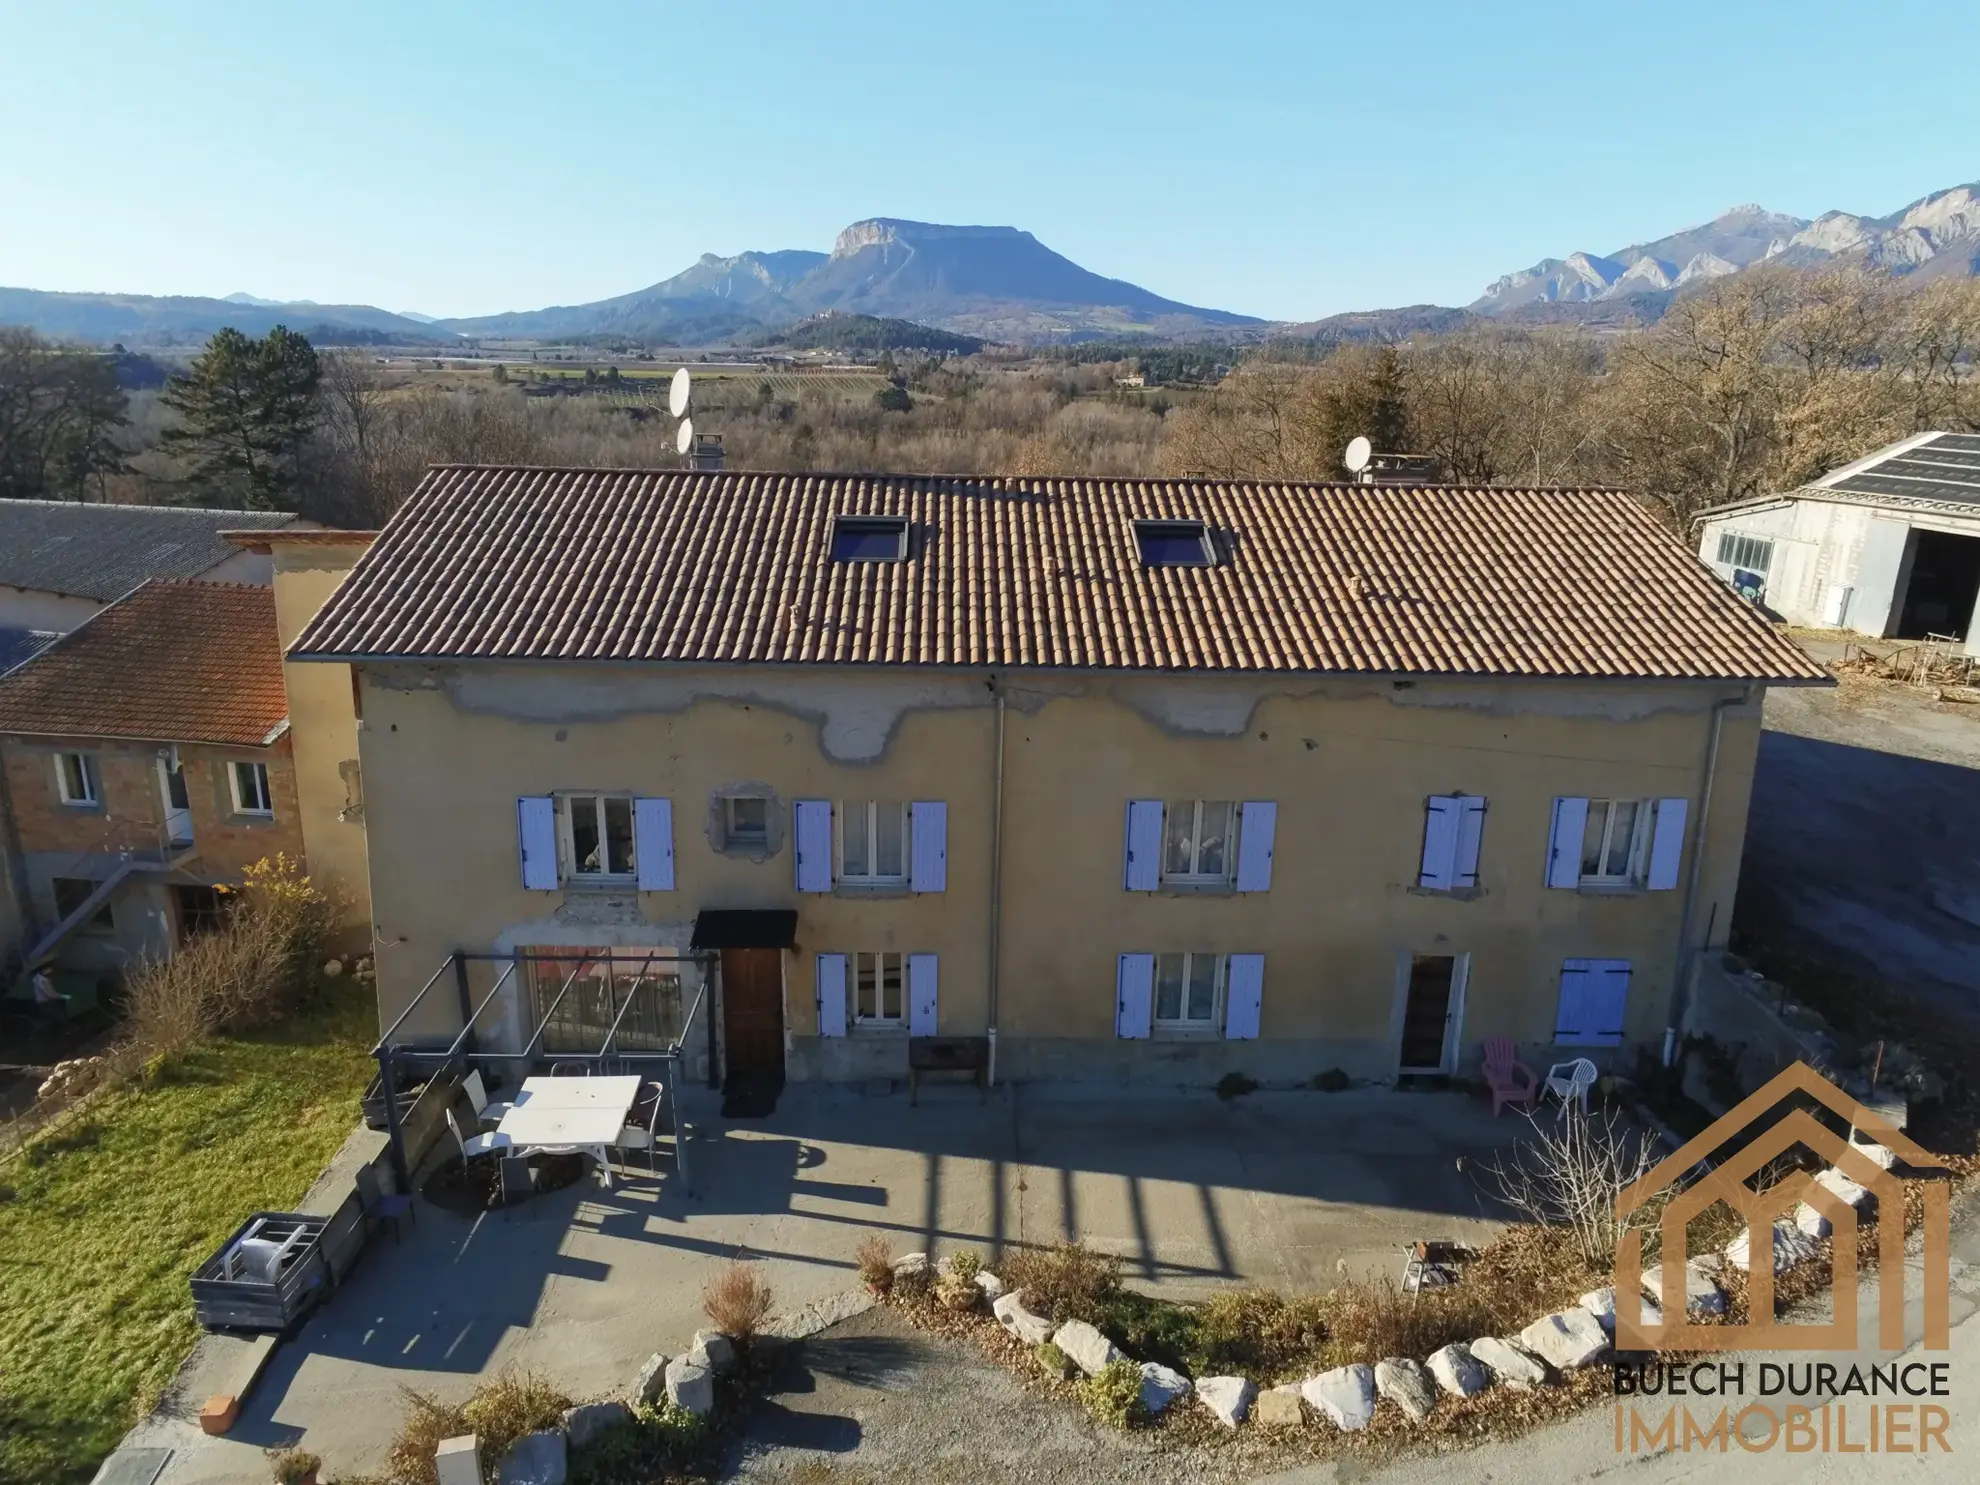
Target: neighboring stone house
(1138, 778)
(144, 761)
(62, 560)
(1888, 545)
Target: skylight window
(870, 539)
(1173, 543)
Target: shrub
(291, 1466)
(498, 1413)
(956, 1288)
(1068, 1281)
(1333, 1080)
(1052, 1361)
(737, 1302)
(1150, 1329)
(1370, 1319)
(1258, 1333)
(875, 1257)
(1567, 1174)
(659, 1441)
(1114, 1396)
(1235, 1085)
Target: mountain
(145, 319)
(1935, 236)
(992, 282)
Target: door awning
(745, 928)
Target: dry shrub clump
(737, 1302)
(1260, 1334)
(252, 969)
(498, 1413)
(1068, 1281)
(1114, 1395)
(956, 1288)
(875, 1258)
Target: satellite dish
(677, 395)
(1359, 452)
(684, 439)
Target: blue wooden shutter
(831, 995)
(536, 840)
(1244, 996)
(1254, 863)
(1134, 996)
(1564, 843)
(930, 845)
(921, 994)
(1667, 845)
(1440, 842)
(1142, 852)
(653, 843)
(814, 845)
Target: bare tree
(1568, 1172)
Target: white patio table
(571, 1114)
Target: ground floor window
(879, 994)
(200, 910)
(71, 893)
(1188, 989)
(585, 991)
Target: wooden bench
(970, 1054)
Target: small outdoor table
(571, 1113)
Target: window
(638, 991)
(71, 893)
(1197, 840)
(1753, 553)
(251, 789)
(1188, 988)
(878, 989)
(746, 821)
(201, 910)
(869, 539)
(1173, 543)
(598, 836)
(873, 842)
(75, 776)
(1612, 842)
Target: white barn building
(1887, 546)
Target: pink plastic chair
(1511, 1081)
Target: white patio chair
(1572, 1080)
(480, 1144)
(487, 1110)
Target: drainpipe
(996, 879)
(1687, 966)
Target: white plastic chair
(480, 1144)
(1572, 1080)
(487, 1110)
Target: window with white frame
(879, 990)
(1199, 840)
(250, 781)
(1189, 990)
(598, 837)
(873, 842)
(1753, 553)
(1614, 842)
(75, 777)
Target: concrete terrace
(1275, 1189)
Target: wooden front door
(753, 1011)
(1428, 1005)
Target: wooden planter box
(230, 1291)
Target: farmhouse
(1887, 546)
(1132, 778)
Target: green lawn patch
(102, 1222)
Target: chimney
(706, 455)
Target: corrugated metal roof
(172, 662)
(640, 565)
(104, 551)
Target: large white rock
(1791, 1246)
(652, 1377)
(1227, 1398)
(1601, 1303)
(1346, 1395)
(1033, 1330)
(1832, 1180)
(1160, 1386)
(1509, 1363)
(1457, 1371)
(691, 1386)
(1566, 1340)
(1878, 1154)
(1085, 1347)
(584, 1423)
(1702, 1294)
(713, 1350)
(1405, 1383)
(990, 1284)
(535, 1459)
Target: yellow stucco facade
(447, 752)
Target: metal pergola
(435, 1060)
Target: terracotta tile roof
(569, 564)
(174, 661)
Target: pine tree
(247, 407)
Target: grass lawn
(102, 1223)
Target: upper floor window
(1197, 840)
(75, 777)
(1173, 543)
(1753, 553)
(251, 796)
(870, 539)
(1614, 842)
(873, 841)
(598, 836)
(746, 821)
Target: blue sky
(1284, 160)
